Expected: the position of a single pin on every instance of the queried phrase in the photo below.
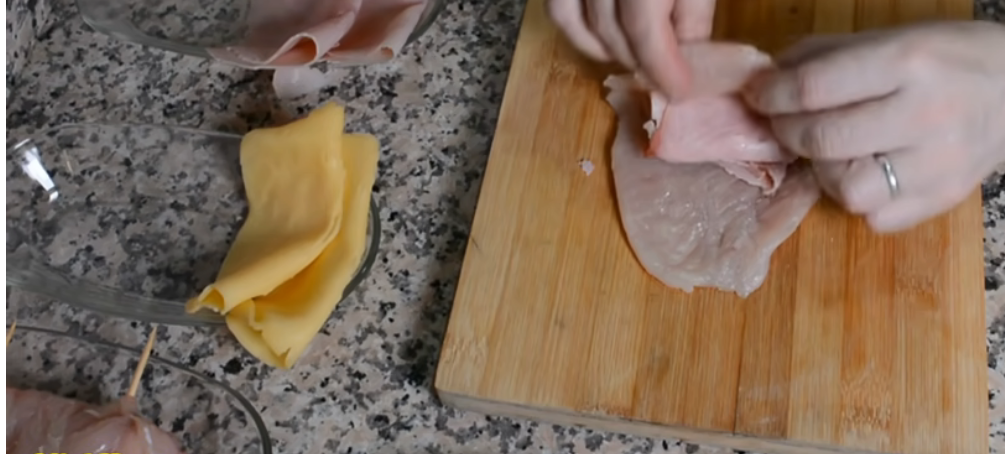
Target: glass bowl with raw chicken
(130, 220)
(263, 33)
(71, 384)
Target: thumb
(656, 48)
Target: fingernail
(750, 92)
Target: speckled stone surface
(364, 386)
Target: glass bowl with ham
(130, 221)
(268, 33)
(67, 393)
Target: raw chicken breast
(42, 422)
(713, 122)
(702, 216)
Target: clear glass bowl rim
(136, 36)
(86, 294)
(247, 406)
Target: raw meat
(299, 32)
(713, 119)
(291, 34)
(42, 422)
(713, 209)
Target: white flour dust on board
(586, 165)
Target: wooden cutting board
(856, 343)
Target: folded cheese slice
(308, 188)
(278, 327)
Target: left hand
(930, 99)
(641, 35)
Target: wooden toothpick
(135, 384)
(10, 332)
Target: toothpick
(135, 384)
(10, 332)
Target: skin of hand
(931, 97)
(641, 35)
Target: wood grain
(855, 343)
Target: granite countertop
(372, 394)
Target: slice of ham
(289, 35)
(721, 198)
(284, 33)
(711, 123)
(42, 422)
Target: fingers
(850, 132)
(603, 18)
(836, 78)
(811, 47)
(693, 19)
(638, 34)
(920, 205)
(570, 17)
(911, 211)
(829, 176)
(861, 187)
(647, 25)
(814, 46)
(902, 214)
(864, 187)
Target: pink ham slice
(713, 208)
(300, 32)
(713, 121)
(42, 422)
(290, 34)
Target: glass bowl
(129, 220)
(205, 415)
(191, 27)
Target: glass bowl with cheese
(58, 370)
(132, 220)
(201, 28)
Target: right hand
(901, 124)
(641, 35)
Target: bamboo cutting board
(855, 343)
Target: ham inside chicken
(41, 422)
(705, 192)
(713, 123)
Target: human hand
(928, 99)
(641, 35)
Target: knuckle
(915, 55)
(950, 180)
(817, 140)
(807, 87)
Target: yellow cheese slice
(293, 180)
(308, 189)
(278, 327)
